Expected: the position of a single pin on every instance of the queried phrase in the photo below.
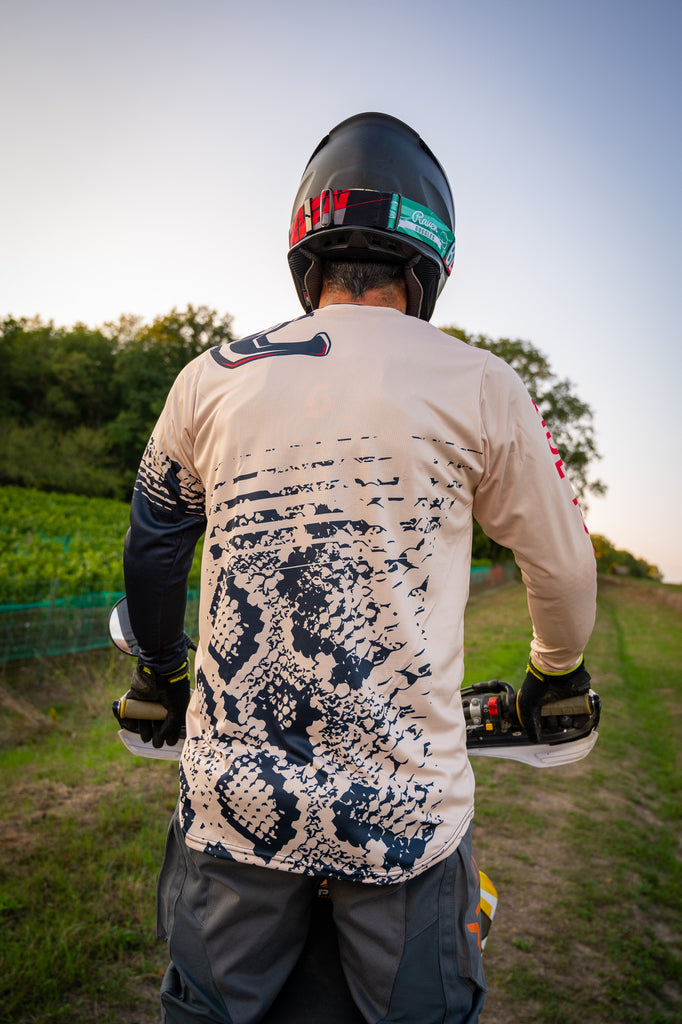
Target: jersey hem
(364, 873)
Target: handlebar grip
(148, 710)
(580, 705)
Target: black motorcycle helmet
(372, 190)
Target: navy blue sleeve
(158, 552)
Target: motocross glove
(540, 688)
(171, 689)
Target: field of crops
(59, 545)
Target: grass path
(586, 858)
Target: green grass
(586, 858)
(82, 828)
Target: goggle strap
(367, 208)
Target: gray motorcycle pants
(410, 951)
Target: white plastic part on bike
(134, 743)
(537, 755)
(541, 755)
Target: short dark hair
(358, 276)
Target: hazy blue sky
(151, 151)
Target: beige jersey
(338, 461)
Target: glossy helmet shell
(380, 153)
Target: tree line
(77, 405)
(618, 562)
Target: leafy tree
(619, 562)
(26, 354)
(51, 374)
(77, 405)
(76, 461)
(148, 361)
(55, 395)
(567, 417)
(79, 392)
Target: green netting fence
(66, 625)
(486, 576)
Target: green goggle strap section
(409, 218)
(404, 216)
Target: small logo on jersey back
(261, 346)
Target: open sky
(151, 149)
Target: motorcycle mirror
(121, 631)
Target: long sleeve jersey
(335, 463)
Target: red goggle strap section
(365, 208)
